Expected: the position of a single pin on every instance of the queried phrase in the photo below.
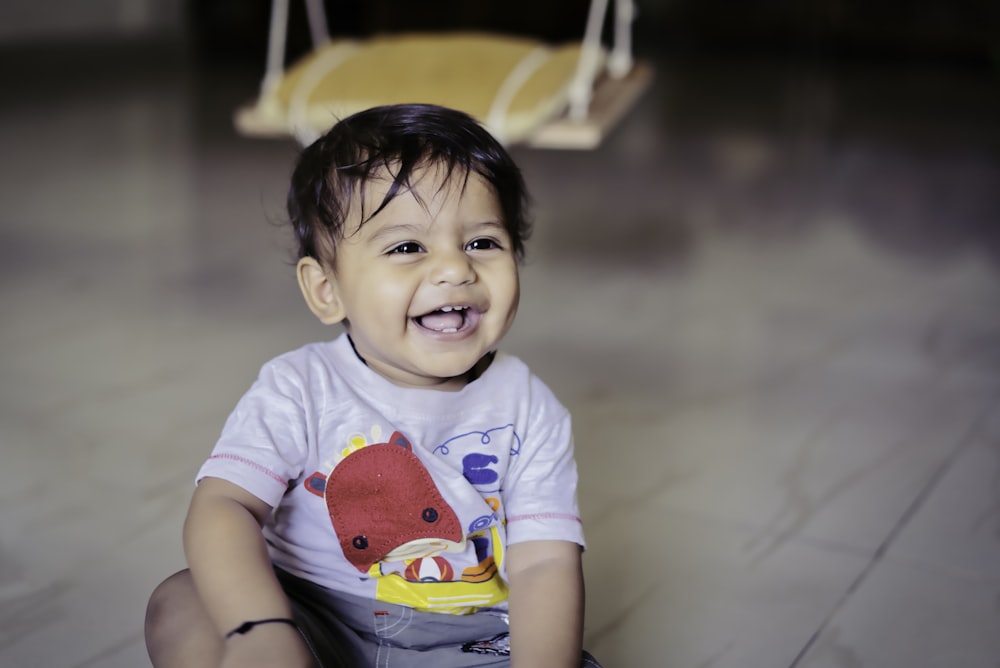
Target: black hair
(333, 171)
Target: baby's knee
(179, 632)
(169, 594)
(168, 610)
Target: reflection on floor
(771, 299)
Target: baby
(403, 495)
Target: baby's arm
(546, 604)
(234, 577)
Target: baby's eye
(483, 243)
(405, 248)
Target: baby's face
(430, 284)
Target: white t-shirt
(402, 495)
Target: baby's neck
(447, 384)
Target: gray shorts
(346, 631)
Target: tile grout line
(903, 521)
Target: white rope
(275, 66)
(581, 89)
(620, 62)
(316, 17)
(496, 118)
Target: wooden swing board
(512, 84)
(253, 120)
(612, 99)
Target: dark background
(958, 32)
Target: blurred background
(771, 298)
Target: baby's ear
(320, 291)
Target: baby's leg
(178, 630)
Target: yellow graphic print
(429, 583)
(358, 440)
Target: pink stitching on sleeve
(545, 516)
(254, 465)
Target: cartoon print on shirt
(431, 584)
(478, 467)
(394, 525)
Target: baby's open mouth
(448, 319)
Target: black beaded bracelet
(246, 626)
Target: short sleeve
(264, 443)
(539, 494)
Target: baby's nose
(452, 267)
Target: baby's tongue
(440, 321)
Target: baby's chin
(458, 365)
(447, 377)
(424, 378)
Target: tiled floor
(771, 299)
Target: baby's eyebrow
(487, 225)
(395, 230)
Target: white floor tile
(905, 616)
(668, 589)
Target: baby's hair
(332, 173)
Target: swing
(565, 96)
